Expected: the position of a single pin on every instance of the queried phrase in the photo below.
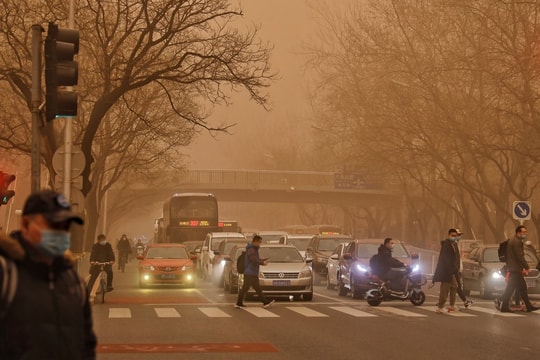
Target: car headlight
(305, 273)
(223, 262)
(496, 275)
(415, 268)
(149, 267)
(359, 267)
(186, 267)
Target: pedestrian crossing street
(315, 311)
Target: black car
(319, 250)
(354, 272)
(481, 271)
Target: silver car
(287, 273)
(333, 265)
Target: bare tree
(150, 73)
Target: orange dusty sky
(285, 24)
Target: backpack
(374, 264)
(502, 251)
(241, 263)
(8, 283)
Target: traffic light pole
(35, 180)
(68, 125)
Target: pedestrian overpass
(269, 186)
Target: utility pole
(35, 180)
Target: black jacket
(448, 263)
(385, 260)
(50, 316)
(102, 253)
(515, 256)
(123, 246)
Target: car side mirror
(192, 257)
(205, 248)
(309, 260)
(216, 252)
(140, 257)
(334, 257)
(347, 256)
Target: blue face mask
(54, 242)
(454, 239)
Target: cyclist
(101, 252)
(124, 250)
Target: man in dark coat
(102, 252)
(388, 265)
(447, 271)
(49, 316)
(516, 267)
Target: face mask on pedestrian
(103, 242)
(54, 242)
(523, 236)
(453, 238)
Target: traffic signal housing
(5, 182)
(61, 45)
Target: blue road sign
(522, 210)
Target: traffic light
(5, 182)
(61, 45)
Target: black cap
(54, 207)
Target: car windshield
(273, 238)
(229, 245)
(368, 250)
(300, 243)
(167, 253)
(491, 255)
(331, 244)
(281, 254)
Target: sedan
(481, 271)
(166, 264)
(230, 273)
(333, 265)
(287, 273)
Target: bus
(312, 229)
(189, 217)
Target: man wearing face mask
(516, 266)
(49, 316)
(388, 265)
(447, 271)
(102, 252)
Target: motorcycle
(140, 250)
(412, 290)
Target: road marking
(302, 310)
(213, 312)
(186, 348)
(493, 312)
(445, 312)
(260, 312)
(334, 300)
(119, 313)
(353, 312)
(167, 312)
(399, 312)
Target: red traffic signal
(5, 182)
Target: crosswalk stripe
(302, 310)
(452, 313)
(399, 312)
(119, 313)
(493, 312)
(213, 312)
(353, 312)
(260, 312)
(167, 312)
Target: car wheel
(307, 297)
(356, 293)
(485, 293)
(296, 297)
(342, 290)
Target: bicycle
(100, 285)
(122, 260)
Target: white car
(333, 265)
(301, 241)
(210, 247)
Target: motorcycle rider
(390, 268)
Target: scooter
(412, 290)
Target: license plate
(531, 283)
(281, 283)
(167, 276)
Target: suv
(319, 250)
(210, 249)
(354, 272)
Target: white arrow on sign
(523, 211)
